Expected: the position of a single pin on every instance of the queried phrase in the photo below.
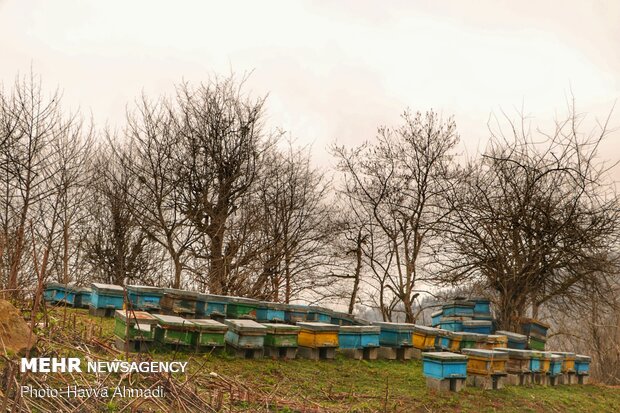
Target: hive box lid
(498, 355)
(181, 293)
(477, 323)
(209, 325)
(245, 326)
(512, 336)
(241, 300)
(320, 310)
(458, 303)
(514, 353)
(581, 357)
(213, 298)
(145, 289)
(274, 328)
(140, 316)
(565, 354)
(389, 326)
(172, 320)
(270, 305)
(54, 284)
(496, 338)
(444, 333)
(315, 326)
(117, 289)
(425, 329)
(479, 300)
(360, 329)
(436, 313)
(444, 356)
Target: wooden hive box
(477, 326)
(443, 341)
(436, 318)
(211, 305)
(444, 365)
(519, 361)
(281, 335)
(208, 333)
(452, 323)
(423, 338)
(318, 335)
(107, 296)
(495, 341)
(144, 297)
(267, 312)
(179, 302)
(568, 361)
(485, 362)
(319, 314)
(555, 368)
(458, 308)
(358, 337)
(134, 325)
(174, 330)
(245, 334)
(395, 334)
(515, 340)
(582, 364)
(241, 308)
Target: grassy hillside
(349, 386)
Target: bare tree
(398, 182)
(535, 219)
(291, 195)
(221, 139)
(155, 200)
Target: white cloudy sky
(334, 70)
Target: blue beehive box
(106, 296)
(436, 318)
(582, 364)
(267, 312)
(211, 305)
(555, 365)
(69, 295)
(535, 361)
(515, 340)
(452, 323)
(82, 298)
(482, 306)
(319, 314)
(52, 291)
(395, 334)
(144, 298)
(477, 326)
(343, 319)
(458, 308)
(444, 365)
(358, 337)
(443, 340)
(245, 334)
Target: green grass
(368, 386)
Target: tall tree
(534, 219)
(398, 182)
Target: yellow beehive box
(545, 361)
(568, 363)
(317, 335)
(485, 362)
(494, 341)
(423, 338)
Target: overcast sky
(334, 70)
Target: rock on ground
(14, 331)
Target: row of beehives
(474, 316)
(493, 369)
(104, 299)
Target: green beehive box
(209, 333)
(134, 325)
(174, 330)
(536, 343)
(281, 335)
(241, 308)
